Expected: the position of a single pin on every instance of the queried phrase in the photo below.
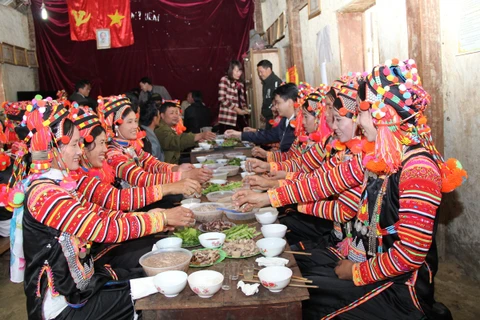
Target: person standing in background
(148, 89)
(197, 114)
(270, 81)
(231, 96)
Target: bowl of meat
(170, 283)
(206, 257)
(215, 226)
(162, 260)
(205, 283)
(240, 248)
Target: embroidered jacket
(137, 167)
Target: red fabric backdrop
(183, 45)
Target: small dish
(170, 283)
(172, 242)
(218, 181)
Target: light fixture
(43, 11)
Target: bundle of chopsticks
(296, 281)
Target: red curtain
(183, 45)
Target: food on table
(226, 187)
(206, 208)
(204, 257)
(216, 226)
(209, 162)
(240, 248)
(241, 232)
(234, 162)
(230, 142)
(164, 259)
(189, 236)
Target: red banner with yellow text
(86, 16)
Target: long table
(229, 304)
(245, 150)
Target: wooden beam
(424, 46)
(295, 37)
(258, 17)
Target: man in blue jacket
(284, 98)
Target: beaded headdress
(397, 100)
(110, 111)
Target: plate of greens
(226, 187)
(189, 237)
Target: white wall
(14, 31)
(271, 10)
(462, 138)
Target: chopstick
(289, 285)
(304, 280)
(298, 252)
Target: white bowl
(170, 283)
(215, 156)
(242, 163)
(219, 141)
(160, 265)
(241, 157)
(206, 211)
(274, 231)
(197, 149)
(220, 196)
(193, 200)
(266, 215)
(220, 175)
(173, 242)
(233, 155)
(245, 174)
(201, 159)
(204, 145)
(271, 247)
(198, 165)
(218, 181)
(213, 166)
(205, 283)
(212, 240)
(275, 278)
(222, 161)
(232, 170)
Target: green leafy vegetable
(189, 236)
(228, 187)
(230, 142)
(209, 162)
(234, 162)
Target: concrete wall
(14, 30)
(462, 140)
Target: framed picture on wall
(314, 8)
(103, 39)
(7, 53)
(32, 59)
(20, 56)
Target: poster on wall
(7, 53)
(469, 27)
(103, 39)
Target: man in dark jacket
(270, 82)
(197, 114)
(284, 98)
(81, 94)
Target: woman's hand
(277, 175)
(201, 175)
(259, 153)
(259, 182)
(343, 269)
(183, 167)
(186, 187)
(256, 165)
(179, 217)
(246, 200)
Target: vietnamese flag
(86, 16)
(82, 18)
(115, 15)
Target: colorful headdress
(347, 95)
(14, 113)
(397, 100)
(111, 110)
(86, 120)
(314, 101)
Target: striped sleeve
(126, 169)
(331, 163)
(52, 206)
(153, 165)
(346, 175)
(340, 210)
(107, 196)
(278, 156)
(419, 196)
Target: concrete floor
(453, 288)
